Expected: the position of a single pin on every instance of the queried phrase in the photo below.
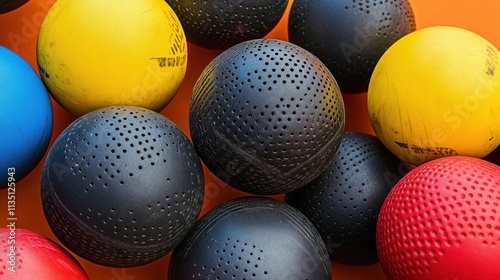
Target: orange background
(19, 30)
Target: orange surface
(19, 30)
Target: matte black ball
(349, 36)
(344, 201)
(220, 24)
(121, 186)
(266, 116)
(251, 238)
(10, 5)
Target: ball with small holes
(442, 221)
(121, 186)
(26, 118)
(344, 201)
(220, 24)
(10, 5)
(93, 54)
(266, 116)
(251, 238)
(349, 36)
(29, 255)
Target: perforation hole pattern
(266, 116)
(344, 201)
(220, 24)
(251, 238)
(359, 32)
(438, 215)
(121, 186)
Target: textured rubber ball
(442, 221)
(26, 118)
(10, 5)
(349, 36)
(121, 186)
(220, 24)
(93, 54)
(344, 201)
(266, 116)
(435, 93)
(29, 255)
(251, 238)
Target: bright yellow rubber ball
(95, 53)
(436, 93)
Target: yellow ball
(96, 53)
(436, 93)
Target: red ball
(442, 221)
(26, 255)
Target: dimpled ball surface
(26, 119)
(36, 257)
(93, 54)
(121, 186)
(349, 36)
(266, 116)
(251, 238)
(436, 93)
(220, 24)
(344, 201)
(442, 221)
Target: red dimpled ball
(26, 255)
(442, 221)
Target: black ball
(121, 186)
(345, 200)
(220, 24)
(266, 116)
(494, 156)
(251, 238)
(349, 36)
(10, 5)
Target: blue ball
(26, 118)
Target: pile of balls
(123, 186)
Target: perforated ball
(349, 36)
(266, 116)
(25, 118)
(220, 24)
(344, 201)
(29, 255)
(436, 93)
(251, 238)
(93, 54)
(121, 186)
(442, 221)
(10, 5)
